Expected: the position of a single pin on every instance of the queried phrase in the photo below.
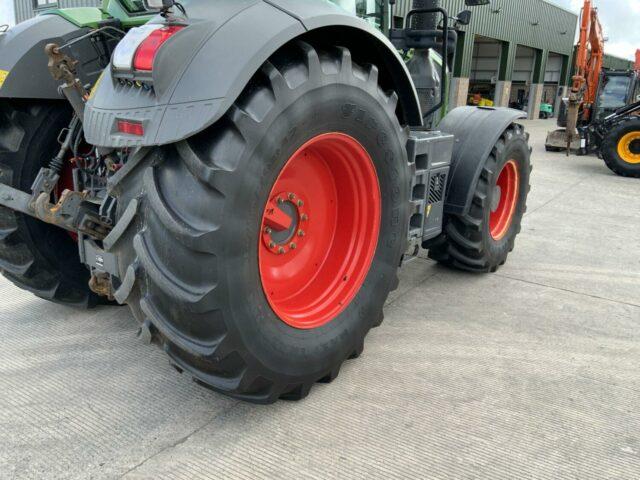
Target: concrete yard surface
(530, 373)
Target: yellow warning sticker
(3, 76)
(96, 85)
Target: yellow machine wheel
(629, 147)
(620, 149)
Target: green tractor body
(128, 13)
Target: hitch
(73, 212)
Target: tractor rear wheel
(621, 148)
(481, 240)
(36, 256)
(264, 248)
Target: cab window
(370, 10)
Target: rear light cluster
(129, 127)
(138, 49)
(132, 64)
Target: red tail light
(148, 49)
(131, 128)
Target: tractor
(247, 175)
(617, 140)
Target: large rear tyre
(481, 240)
(35, 256)
(264, 248)
(621, 148)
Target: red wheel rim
(505, 200)
(320, 230)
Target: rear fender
(201, 71)
(23, 59)
(476, 130)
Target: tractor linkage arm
(73, 211)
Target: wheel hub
(319, 231)
(504, 201)
(283, 223)
(497, 195)
(629, 148)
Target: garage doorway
(522, 76)
(485, 66)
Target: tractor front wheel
(481, 239)
(265, 247)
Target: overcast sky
(6, 12)
(620, 21)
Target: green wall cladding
(617, 63)
(25, 8)
(533, 23)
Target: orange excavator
(585, 83)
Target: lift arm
(589, 60)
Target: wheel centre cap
(497, 196)
(283, 226)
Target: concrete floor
(533, 372)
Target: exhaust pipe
(425, 21)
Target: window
(370, 10)
(615, 91)
(134, 6)
(613, 94)
(45, 3)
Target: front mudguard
(23, 57)
(476, 130)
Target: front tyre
(481, 240)
(266, 246)
(621, 148)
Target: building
(617, 63)
(514, 53)
(26, 9)
(511, 52)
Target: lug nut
(304, 217)
(300, 203)
(301, 233)
(267, 231)
(292, 196)
(279, 200)
(272, 245)
(293, 246)
(281, 250)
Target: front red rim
(320, 231)
(505, 200)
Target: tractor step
(430, 158)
